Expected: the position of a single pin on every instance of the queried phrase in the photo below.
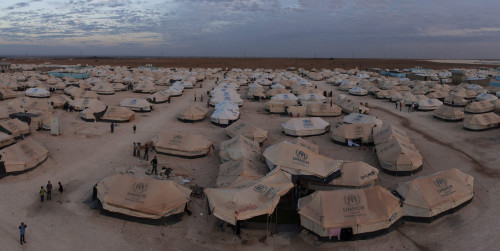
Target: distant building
(4, 66)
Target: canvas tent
(139, 197)
(358, 91)
(182, 144)
(37, 93)
(455, 100)
(239, 147)
(482, 121)
(430, 196)
(480, 107)
(429, 104)
(363, 210)
(240, 172)
(22, 156)
(118, 114)
(448, 113)
(306, 144)
(260, 198)
(158, 97)
(105, 89)
(80, 104)
(6, 139)
(193, 113)
(357, 118)
(248, 130)
(93, 112)
(348, 106)
(355, 174)
(399, 156)
(138, 105)
(224, 116)
(305, 126)
(6, 93)
(14, 127)
(323, 110)
(382, 134)
(357, 133)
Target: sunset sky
(252, 28)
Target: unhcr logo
(178, 137)
(300, 157)
(351, 200)
(442, 185)
(440, 182)
(140, 187)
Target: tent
(240, 172)
(7, 93)
(37, 93)
(138, 105)
(239, 147)
(358, 118)
(6, 139)
(118, 114)
(74, 91)
(486, 97)
(224, 116)
(248, 130)
(399, 157)
(58, 101)
(455, 101)
(174, 91)
(357, 133)
(306, 144)
(355, 174)
(22, 156)
(323, 110)
(139, 197)
(482, 121)
(382, 134)
(426, 198)
(93, 112)
(288, 99)
(275, 106)
(260, 198)
(273, 92)
(311, 98)
(348, 106)
(14, 127)
(233, 98)
(80, 104)
(480, 107)
(159, 97)
(299, 160)
(146, 87)
(182, 144)
(193, 113)
(448, 113)
(105, 89)
(364, 211)
(429, 104)
(305, 126)
(358, 91)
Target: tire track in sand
(478, 165)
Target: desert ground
(87, 152)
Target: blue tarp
(497, 77)
(497, 84)
(70, 74)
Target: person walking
(42, 194)
(138, 149)
(400, 105)
(195, 97)
(135, 149)
(201, 98)
(112, 127)
(22, 230)
(146, 150)
(135, 128)
(49, 190)
(154, 163)
(60, 192)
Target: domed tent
(305, 126)
(193, 114)
(364, 211)
(448, 113)
(73, 91)
(298, 160)
(145, 87)
(399, 157)
(138, 105)
(480, 107)
(174, 91)
(37, 93)
(224, 116)
(311, 98)
(80, 104)
(239, 147)
(248, 130)
(6, 139)
(240, 172)
(118, 114)
(144, 198)
(455, 101)
(323, 110)
(486, 97)
(482, 121)
(22, 156)
(104, 89)
(357, 133)
(159, 97)
(93, 112)
(261, 198)
(348, 106)
(427, 198)
(182, 144)
(7, 93)
(355, 174)
(357, 118)
(58, 101)
(14, 127)
(358, 91)
(382, 134)
(429, 104)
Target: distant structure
(457, 77)
(4, 67)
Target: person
(208, 103)
(49, 190)
(135, 149)
(22, 230)
(42, 194)
(409, 108)
(400, 105)
(452, 103)
(135, 128)
(60, 192)
(167, 171)
(201, 98)
(195, 97)
(168, 99)
(112, 127)
(146, 150)
(154, 163)
(138, 149)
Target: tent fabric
(356, 174)
(193, 113)
(399, 155)
(182, 144)
(305, 126)
(299, 160)
(138, 105)
(14, 127)
(276, 106)
(358, 118)
(306, 144)
(224, 116)
(159, 97)
(248, 130)
(323, 110)
(364, 210)
(240, 173)
(118, 114)
(358, 91)
(382, 134)
(93, 111)
(455, 100)
(348, 106)
(80, 104)
(432, 195)
(37, 93)
(480, 107)
(105, 89)
(260, 198)
(23, 155)
(7, 94)
(429, 104)
(142, 197)
(345, 132)
(448, 113)
(6, 139)
(239, 147)
(482, 121)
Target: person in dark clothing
(154, 163)
(135, 128)
(167, 171)
(22, 230)
(60, 192)
(49, 190)
(146, 150)
(138, 150)
(112, 127)
(42, 194)
(135, 149)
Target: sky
(434, 29)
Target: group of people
(137, 150)
(411, 107)
(201, 97)
(47, 192)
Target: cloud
(18, 5)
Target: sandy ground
(87, 152)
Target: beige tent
(142, 197)
(7, 93)
(74, 91)
(273, 92)
(430, 196)
(93, 112)
(364, 210)
(193, 113)
(455, 100)
(448, 113)
(239, 147)
(58, 101)
(357, 118)
(399, 156)
(356, 174)
(138, 105)
(480, 107)
(182, 144)
(260, 198)
(239, 173)
(146, 87)
(275, 106)
(118, 114)
(323, 110)
(297, 110)
(306, 144)
(248, 130)
(80, 104)
(348, 106)
(429, 104)
(299, 160)
(358, 133)
(482, 121)
(14, 127)
(382, 134)
(6, 139)
(305, 126)
(23, 156)
(159, 97)
(104, 89)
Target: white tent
(140, 105)
(358, 91)
(305, 126)
(224, 116)
(37, 93)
